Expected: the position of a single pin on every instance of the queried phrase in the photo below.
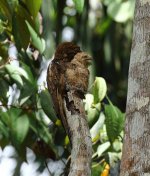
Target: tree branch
(81, 152)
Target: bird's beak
(89, 60)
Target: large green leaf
(95, 130)
(47, 105)
(20, 129)
(33, 6)
(114, 121)
(92, 110)
(37, 42)
(102, 148)
(9, 116)
(79, 4)
(99, 89)
(15, 72)
(20, 31)
(28, 71)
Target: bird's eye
(57, 63)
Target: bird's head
(66, 51)
(83, 58)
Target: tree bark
(81, 152)
(136, 148)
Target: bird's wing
(56, 85)
(52, 83)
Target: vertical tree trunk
(136, 148)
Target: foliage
(28, 30)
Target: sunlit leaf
(88, 101)
(107, 2)
(117, 145)
(37, 42)
(79, 4)
(121, 11)
(15, 72)
(102, 148)
(114, 157)
(95, 130)
(92, 110)
(99, 89)
(33, 6)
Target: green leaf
(114, 121)
(92, 110)
(2, 28)
(28, 71)
(102, 148)
(4, 130)
(99, 89)
(4, 117)
(47, 105)
(15, 72)
(3, 52)
(20, 128)
(96, 169)
(121, 11)
(20, 31)
(79, 4)
(108, 2)
(117, 145)
(27, 91)
(114, 157)
(33, 6)
(37, 42)
(5, 9)
(95, 130)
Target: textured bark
(136, 148)
(81, 152)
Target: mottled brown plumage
(67, 72)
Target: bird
(67, 74)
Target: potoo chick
(67, 73)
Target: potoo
(68, 74)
